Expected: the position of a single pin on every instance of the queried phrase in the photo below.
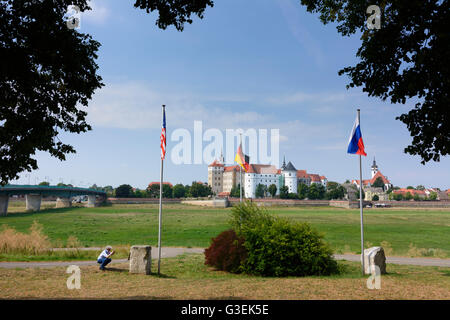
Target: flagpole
(240, 184)
(160, 204)
(240, 175)
(361, 205)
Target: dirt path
(165, 253)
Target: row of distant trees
(195, 190)
(409, 196)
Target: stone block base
(374, 257)
(141, 259)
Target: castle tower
(290, 177)
(374, 168)
(215, 176)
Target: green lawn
(192, 226)
(187, 277)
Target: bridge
(33, 196)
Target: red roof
(302, 174)
(314, 177)
(216, 164)
(231, 168)
(262, 168)
(372, 181)
(152, 183)
(223, 194)
(412, 191)
(379, 175)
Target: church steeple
(374, 168)
(284, 163)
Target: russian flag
(355, 142)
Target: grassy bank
(186, 277)
(411, 232)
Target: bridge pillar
(33, 202)
(91, 201)
(4, 200)
(62, 202)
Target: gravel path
(169, 252)
(401, 260)
(166, 252)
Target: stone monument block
(374, 257)
(141, 259)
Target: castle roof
(290, 167)
(262, 169)
(216, 163)
(315, 177)
(302, 174)
(231, 168)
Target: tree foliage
(378, 183)
(260, 191)
(175, 12)
(124, 191)
(179, 191)
(198, 189)
(48, 73)
(406, 58)
(272, 190)
(153, 190)
(335, 191)
(284, 192)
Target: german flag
(242, 159)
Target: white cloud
(135, 105)
(98, 14)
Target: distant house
(370, 192)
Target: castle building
(223, 178)
(260, 174)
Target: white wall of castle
(253, 179)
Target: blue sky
(263, 64)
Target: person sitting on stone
(105, 257)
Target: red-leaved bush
(226, 252)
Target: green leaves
(46, 71)
(407, 58)
(279, 247)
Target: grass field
(186, 277)
(409, 232)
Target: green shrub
(226, 252)
(247, 215)
(278, 247)
(284, 248)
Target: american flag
(163, 136)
